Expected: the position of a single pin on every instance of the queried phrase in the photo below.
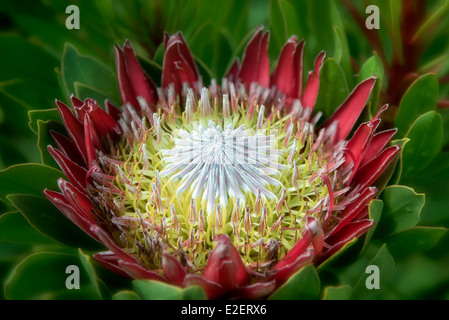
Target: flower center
(216, 164)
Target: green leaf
(414, 240)
(43, 276)
(283, 24)
(32, 66)
(396, 176)
(46, 218)
(396, 13)
(322, 17)
(445, 116)
(304, 285)
(16, 179)
(385, 262)
(45, 139)
(155, 290)
(44, 115)
(402, 208)
(90, 72)
(214, 53)
(125, 295)
(10, 153)
(426, 136)
(333, 88)
(84, 91)
(420, 97)
(98, 286)
(194, 293)
(419, 276)
(337, 293)
(15, 228)
(432, 19)
(375, 213)
(341, 53)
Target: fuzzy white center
(218, 164)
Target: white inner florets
(218, 162)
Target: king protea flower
(231, 187)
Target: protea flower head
(232, 187)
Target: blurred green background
(41, 60)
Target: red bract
(351, 167)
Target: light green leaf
(89, 72)
(337, 293)
(125, 295)
(155, 290)
(426, 136)
(402, 208)
(396, 176)
(194, 293)
(44, 115)
(420, 97)
(375, 213)
(412, 240)
(16, 179)
(15, 228)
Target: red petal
(185, 54)
(233, 71)
(257, 290)
(346, 234)
(107, 241)
(369, 173)
(213, 290)
(74, 128)
(75, 102)
(66, 146)
(103, 123)
(353, 209)
(284, 273)
(75, 173)
(112, 110)
(140, 82)
(71, 213)
(136, 271)
(313, 83)
(312, 234)
(298, 65)
(359, 143)
(92, 141)
(363, 215)
(78, 200)
(126, 91)
(225, 265)
(110, 260)
(173, 270)
(348, 113)
(285, 76)
(178, 66)
(255, 66)
(377, 144)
